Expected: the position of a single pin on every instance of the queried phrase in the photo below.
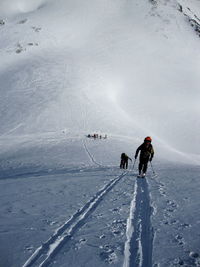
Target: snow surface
(127, 69)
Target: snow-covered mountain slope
(69, 204)
(123, 67)
(127, 69)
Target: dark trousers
(143, 165)
(123, 164)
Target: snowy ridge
(138, 247)
(44, 254)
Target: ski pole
(134, 164)
(152, 168)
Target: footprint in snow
(185, 225)
(161, 189)
(49, 222)
(171, 222)
(118, 221)
(167, 213)
(194, 255)
(23, 212)
(118, 227)
(19, 48)
(170, 209)
(81, 242)
(98, 216)
(22, 21)
(116, 210)
(108, 254)
(193, 259)
(162, 192)
(9, 210)
(32, 44)
(102, 236)
(36, 29)
(172, 203)
(180, 240)
(29, 248)
(178, 262)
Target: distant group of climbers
(96, 136)
(146, 154)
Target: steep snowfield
(129, 68)
(123, 68)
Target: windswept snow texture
(127, 69)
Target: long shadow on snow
(26, 173)
(141, 243)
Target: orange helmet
(148, 138)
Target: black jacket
(125, 157)
(146, 151)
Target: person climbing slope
(146, 154)
(124, 161)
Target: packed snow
(122, 70)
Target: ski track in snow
(139, 244)
(44, 255)
(91, 157)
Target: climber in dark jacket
(124, 161)
(146, 155)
